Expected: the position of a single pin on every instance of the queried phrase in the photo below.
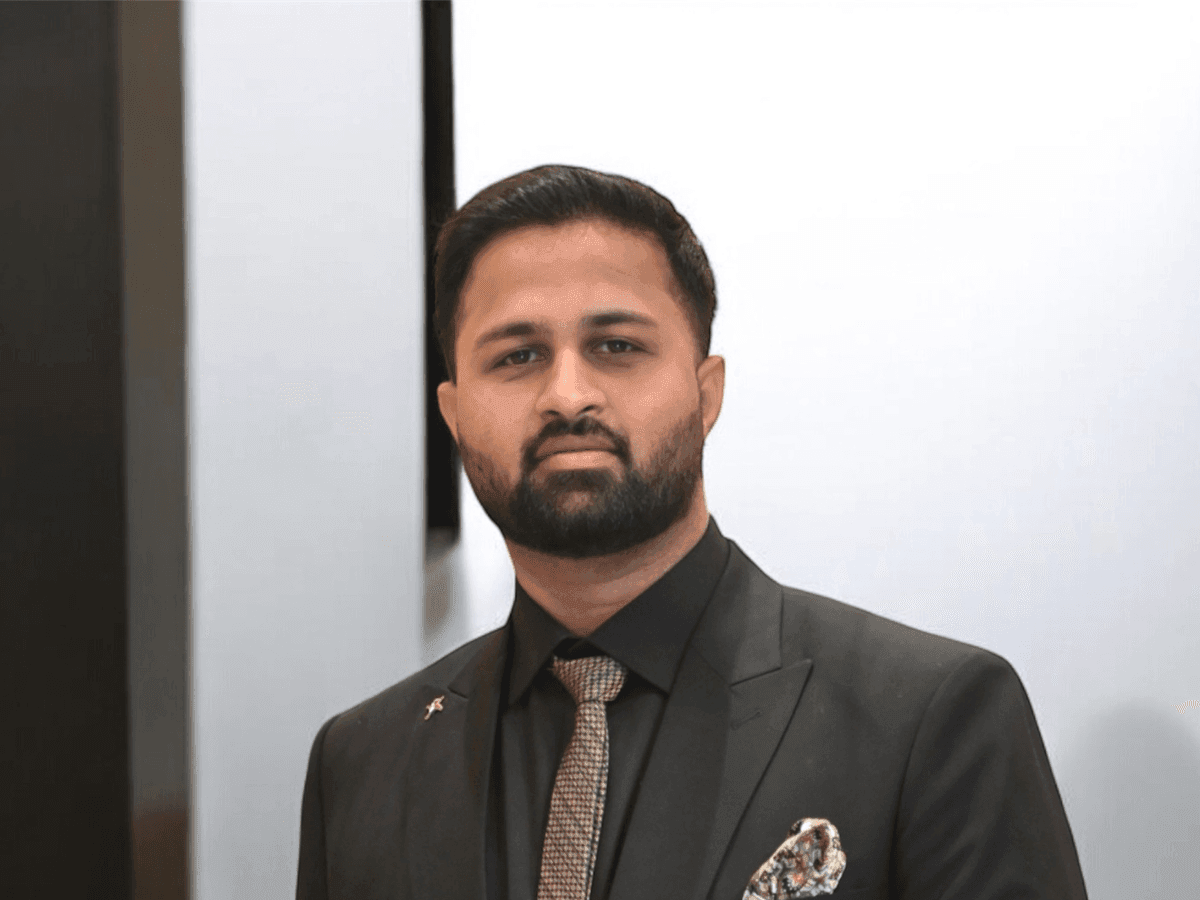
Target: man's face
(581, 404)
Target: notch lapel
(732, 699)
(448, 781)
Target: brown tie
(577, 802)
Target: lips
(570, 444)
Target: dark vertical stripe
(64, 825)
(151, 135)
(441, 463)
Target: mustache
(585, 426)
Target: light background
(957, 250)
(305, 249)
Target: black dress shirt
(537, 715)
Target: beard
(585, 513)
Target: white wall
(957, 250)
(305, 292)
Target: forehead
(561, 274)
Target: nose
(570, 389)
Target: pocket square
(808, 863)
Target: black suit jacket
(922, 751)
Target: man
(657, 712)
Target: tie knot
(590, 678)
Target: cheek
(492, 427)
(658, 409)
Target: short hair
(554, 195)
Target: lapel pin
(435, 706)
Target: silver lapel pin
(435, 706)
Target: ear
(711, 376)
(447, 394)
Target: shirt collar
(648, 635)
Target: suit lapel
(762, 708)
(659, 852)
(448, 782)
(731, 702)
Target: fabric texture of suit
(922, 751)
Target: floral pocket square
(808, 863)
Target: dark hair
(553, 195)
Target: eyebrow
(599, 320)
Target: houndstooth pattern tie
(577, 802)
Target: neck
(583, 594)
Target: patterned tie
(577, 802)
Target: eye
(521, 357)
(618, 346)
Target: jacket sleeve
(311, 875)
(980, 816)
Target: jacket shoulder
(880, 658)
(399, 704)
(929, 757)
